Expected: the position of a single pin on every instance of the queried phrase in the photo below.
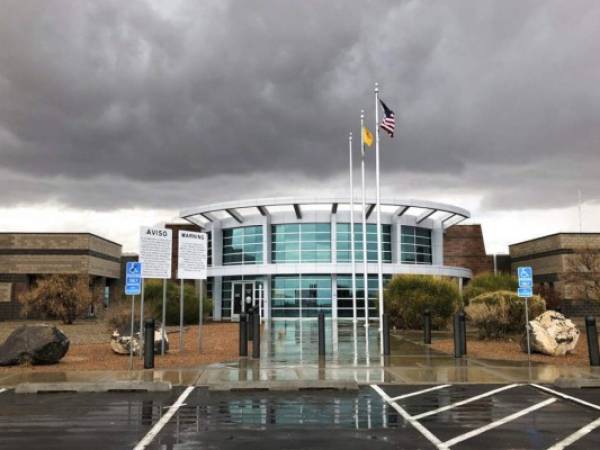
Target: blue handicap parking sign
(133, 278)
(525, 275)
(525, 272)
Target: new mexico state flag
(367, 136)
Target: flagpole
(352, 257)
(364, 221)
(378, 207)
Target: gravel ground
(220, 343)
(86, 331)
(510, 350)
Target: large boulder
(551, 334)
(121, 342)
(35, 344)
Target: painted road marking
(497, 423)
(412, 394)
(163, 420)
(464, 402)
(567, 397)
(577, 435)
(424, 431)
(2, 390)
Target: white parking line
(163, 420)
(567, 397)
(577, 435)
(464, 402)
(497, 423)
(424, 431)
(412, 394)
(2, 390)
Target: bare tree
(66, 297)
(582, 275)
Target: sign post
(133, 282)
(155, 256)
(525, 290)
(191, 265)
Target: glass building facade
(344, 242)
(243, 245)
(301, 243)
(304, 295)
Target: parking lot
(459, 416)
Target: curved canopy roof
(239, 210)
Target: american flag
(388, 124)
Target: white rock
(551, 334)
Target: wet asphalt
(321, 419)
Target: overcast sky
(115, 114)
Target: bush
(118, 315)
(153, 300)
(66, 297)
(497, 314)
(408, 296)
(488, 282)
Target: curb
(113, 386)
(290, 385)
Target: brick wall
(464, 247)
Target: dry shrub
(66, 297)
(498, 314)
(408, 296)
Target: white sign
(191, 262)
(155, 252)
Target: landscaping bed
(509, 350)
(90, 348)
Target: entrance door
(242, 297)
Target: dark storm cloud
(114, 104)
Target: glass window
(243, 245)
(344, 295)
(344, 242)
(415, 245)
(300, 296)
(303, 242)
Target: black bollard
(250, 323)
(386, 335)
(427, 327)
(463, 333)
(321, 333)
(149, 344)
(592, 339)
(457, 337)
(243, 335)
(256, 335)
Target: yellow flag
(367, 137)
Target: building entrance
(242, 297)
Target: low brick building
(464, 247)
(25, 256)
(551, 258)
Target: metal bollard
(386, 335)
(592, 339)
(321, 333)
(463, 333)
(427, 327)
(243, 335)
(149, 344)
(457, 337)
(256, 335)
(250, 323)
